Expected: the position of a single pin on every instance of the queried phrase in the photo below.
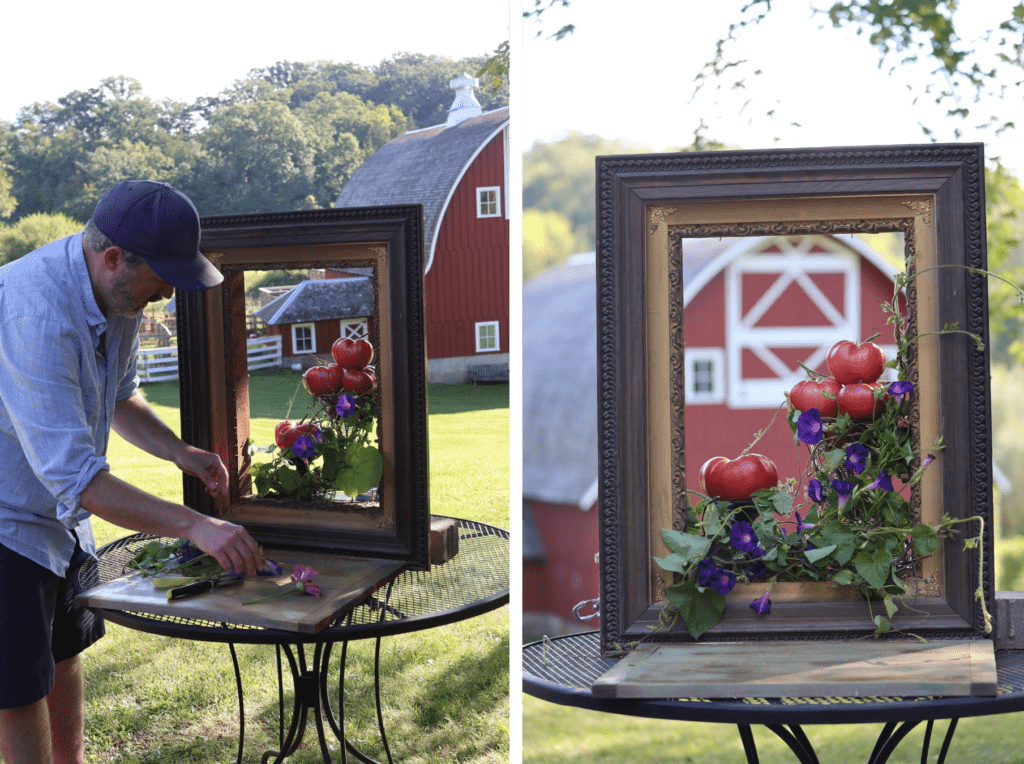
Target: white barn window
(488, 202)
(705, 376)
(487, 339)
(303, 338)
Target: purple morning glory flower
(927, 460)
(303, 447)
(756, 570)
(346, 405)
(883, 481)
(857, 457)
(762, 605)
(723, 581)
(189, 551)
(845, 489)
(809, 428)
(900, 390)
(706, 570)
(815, 491)
(801, 526)
(742, 536)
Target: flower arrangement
(329, 450)
(852, 522)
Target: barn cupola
(465, 106)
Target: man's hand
(206, 466)
(227, 543)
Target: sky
(187, 49)
(630, 76)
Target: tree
(32, 232)
(548, 240)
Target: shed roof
(321, 300)
(422, 167)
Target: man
(69, 320)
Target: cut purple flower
(927, 460)
(763, 604)
(883, 481)
(346, 405)
(302, 581)
(857, 457)
(188, 551)
(815, 491)
(271, 568)
(742, 537)
(809, 428)
(845, 489)
(900, 390)
(723, 581)
(303, 447)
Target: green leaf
(834, 458)
(874, 568)
(783, 501)
(699, 610)
(673, 563)
(846, 542)
(890, 606)
(363, 472)
(689, 546)
(711, 521)
(844, 578)
(925, 539)
(820, 553)
(883, 624)
(287, 479)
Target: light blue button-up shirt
(58, 388)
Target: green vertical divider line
(515, 381)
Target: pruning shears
(199, 587)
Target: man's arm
(122, 504)
(135, 421)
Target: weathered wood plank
(344, 581)
(941, 668)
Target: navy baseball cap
(161, 225)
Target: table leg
(748, 743)
(241, 703)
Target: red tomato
(808, 395)
(284, 434)
(858, 400)
(322, 380)
(736, 479)
(287, 431)
(849, 362)
(358, 382)
(352, 354)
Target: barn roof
(560, 384)
(560, 449)
(321, 300)
(422, 167)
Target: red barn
(754, 309)
(458, 171)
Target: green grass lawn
(152, 699)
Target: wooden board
(344, 581)
(940, 668)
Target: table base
(888, 740)
(309, 682)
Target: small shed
(314, 313)
(459, 172)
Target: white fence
(160, 364)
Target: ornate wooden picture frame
(385, 241)
(646, 207)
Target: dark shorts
(40, 626)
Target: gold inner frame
(911, 213)
(237, 461)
